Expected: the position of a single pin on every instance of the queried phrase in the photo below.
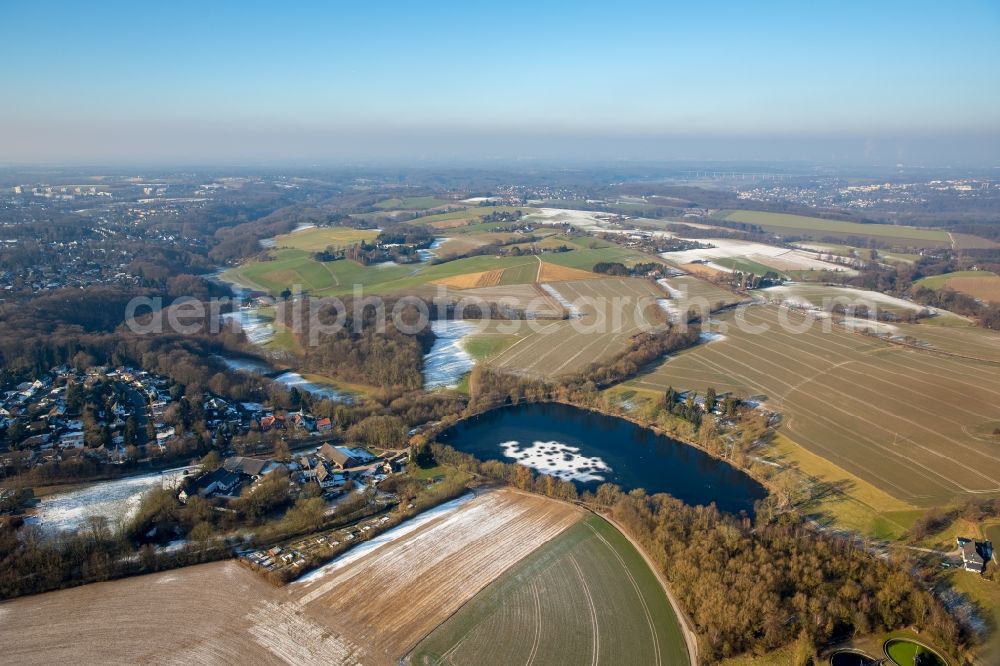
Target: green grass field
(523, 274)
(786, 224)
(411, 203)
(937, 281)
(482, 347)
(585, 259)
(319, 238)
(587, 596)
(470, 213)
(745, 265)
(297, 267)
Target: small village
(111, 421)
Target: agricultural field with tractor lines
(908, 420)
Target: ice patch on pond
(116, 500)
(557, 459)
(563, 301)
(447, 360)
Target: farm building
(975, 554)
(217, 482)
(338, 456)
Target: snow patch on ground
(673, 291)
(447, 360)
(878, 327)
(708, 336)
(557, 459)
(563, 301)
(290, 379)
(674, 313)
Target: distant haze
(914, 83)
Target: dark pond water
(590, 449)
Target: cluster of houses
(39, 424)
(334, 469)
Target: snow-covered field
(780, 258)
(447, 360)
(557, 459)
(587, 220)
(258, 329)
(805, 295)
(116, 500)
(245, 365)
(290, 379)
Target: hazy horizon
(897, 83)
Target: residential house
(975, 553)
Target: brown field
(527, 297)
(471, 280)
(701, 270)
(696, 292)
(602, 330)
(207, 614)
(969, 341)
(391, 598)
(984, 288)
(449, 224)
(970, 242)
(905, 420)
(371, 610)
(553, 273)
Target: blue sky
(246, 81)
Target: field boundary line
(596, 643)
(404, 659)
(687, 627)
(538, 623)
(638, 591)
